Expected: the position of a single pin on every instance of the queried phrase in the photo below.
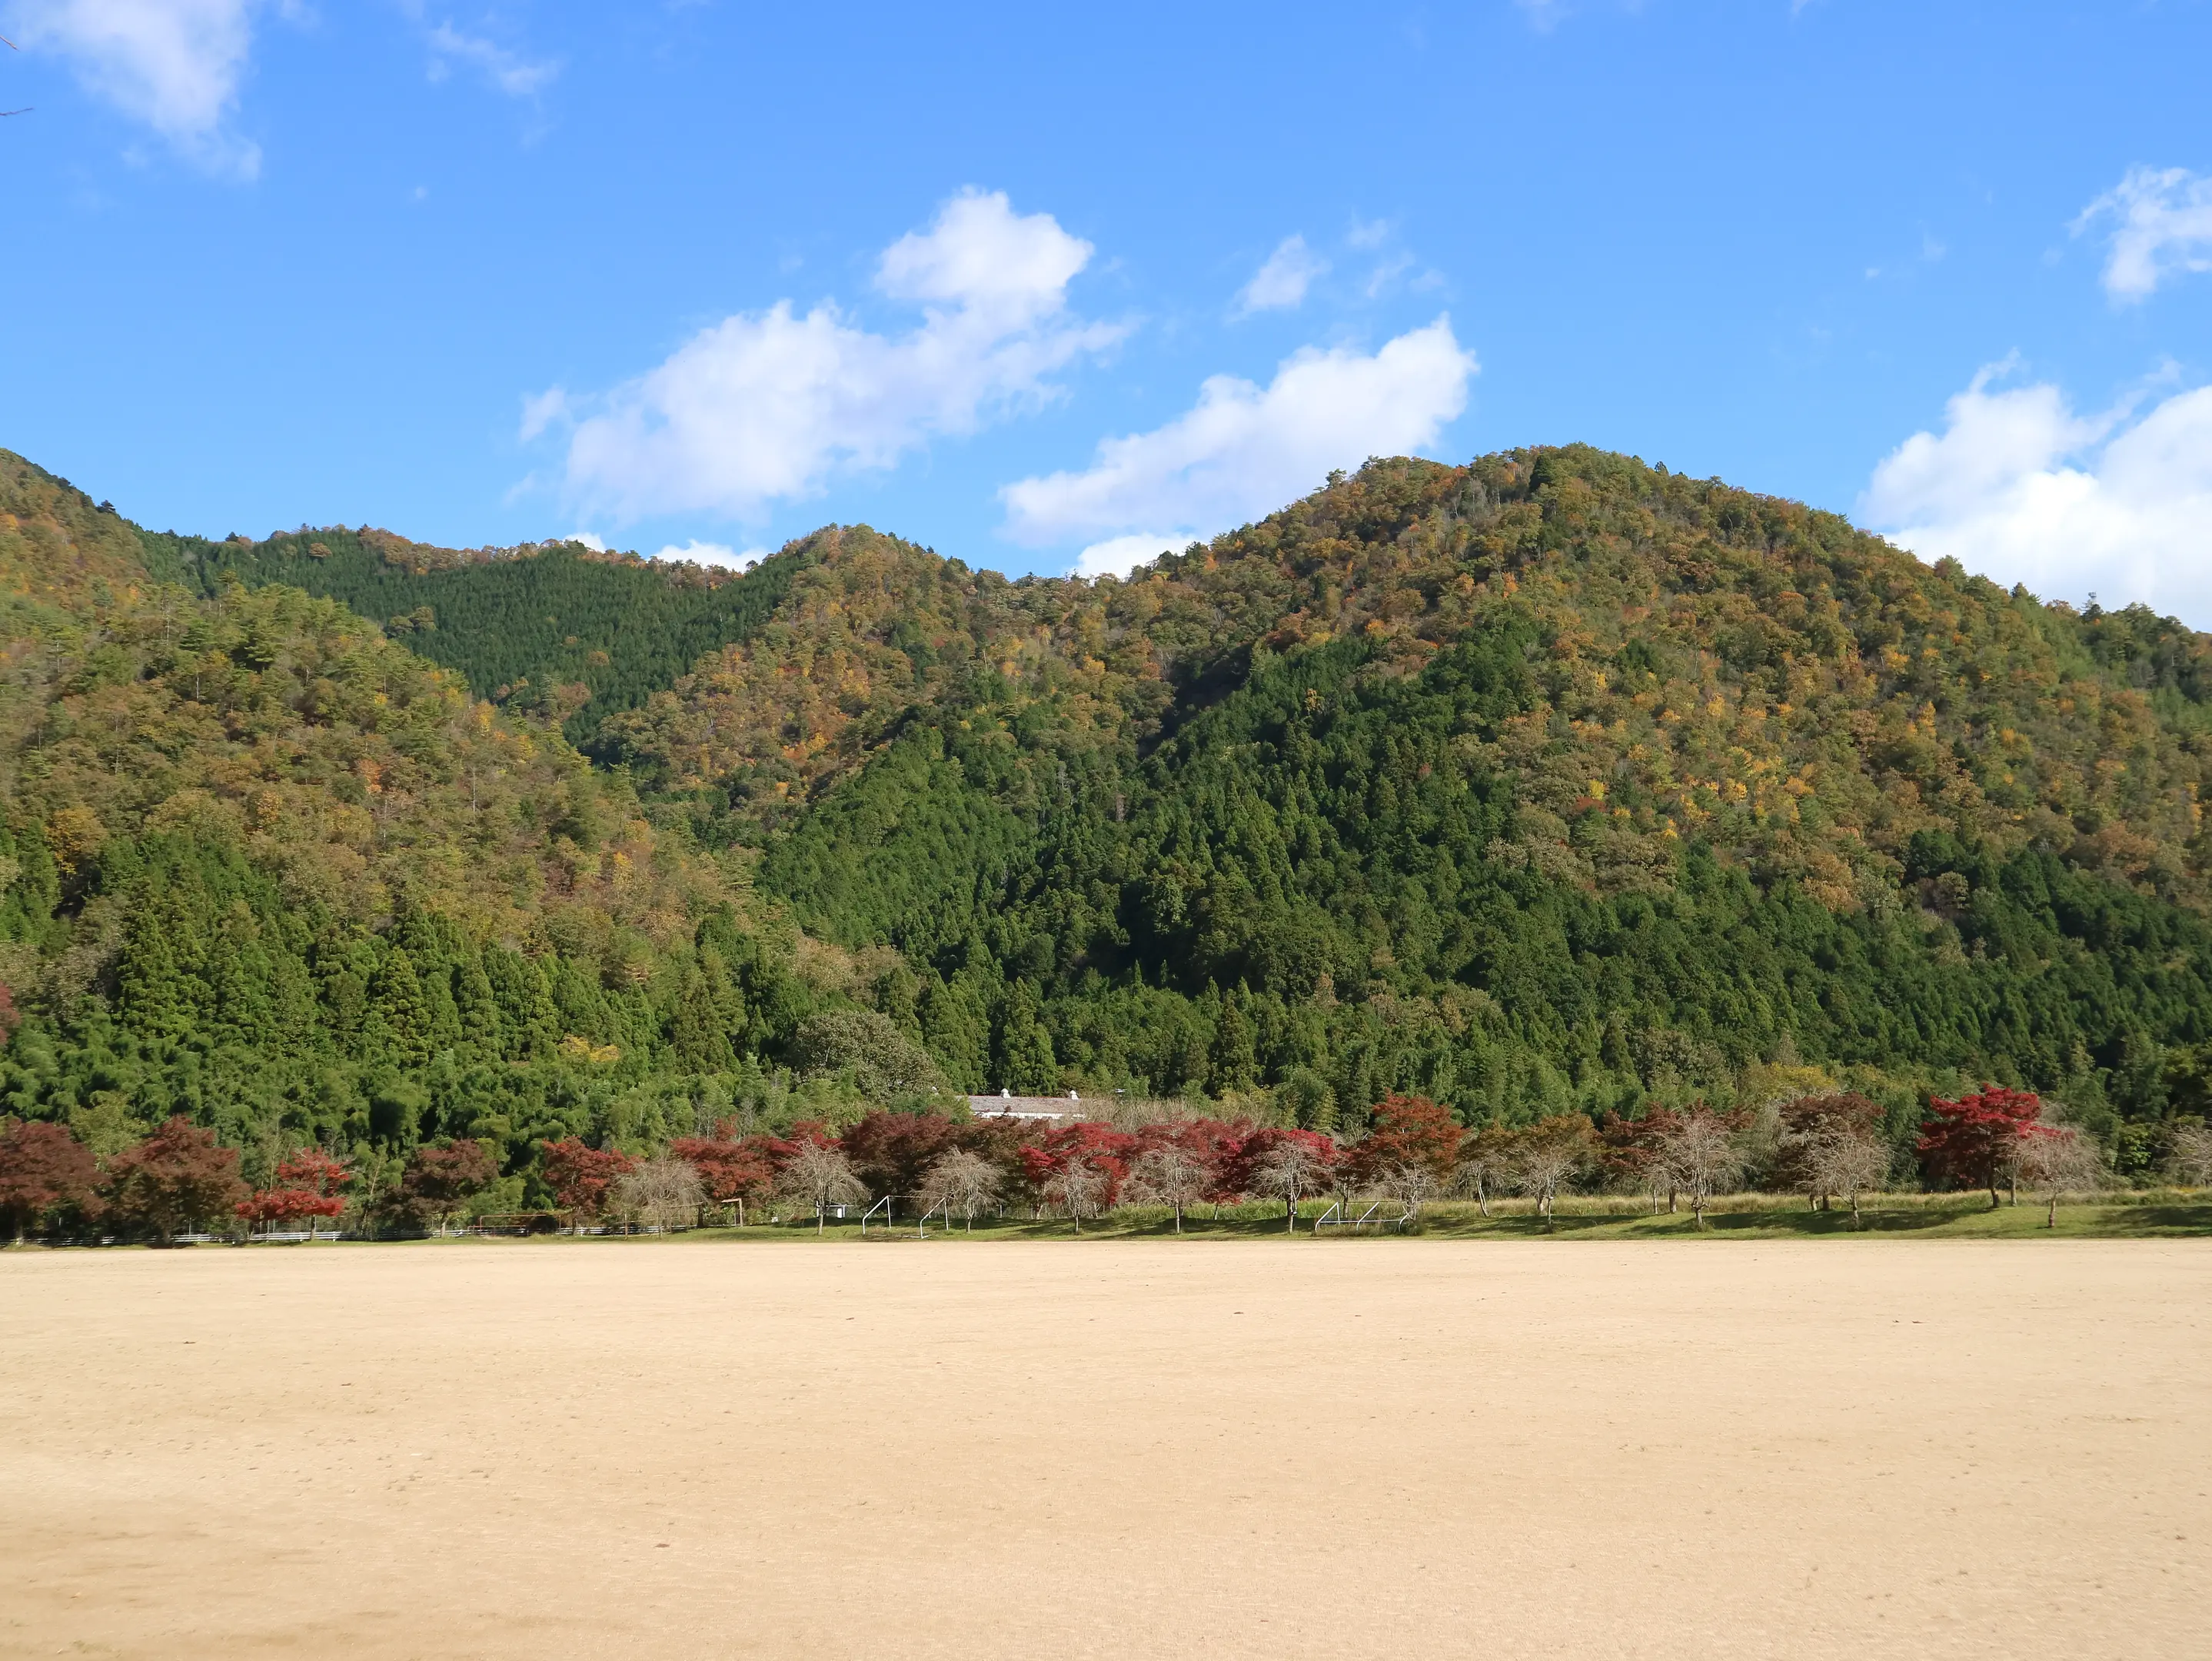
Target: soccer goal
(1338, 1217)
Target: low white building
(1008, 1106)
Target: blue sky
(1038, 287)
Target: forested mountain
(558, 626)
(263, 865)
(1554, 782)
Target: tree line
(178, 1178)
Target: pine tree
(238, 975)
(532, 1023)
(955, 1029)
(443, 1031)
(158, 998)
(482, 1023)
(399, 1014)
(695, 1036)
(1235, 1064)
(1023, 1061)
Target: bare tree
(2057, 1159)
(1702, 1155)
(1171, 1176)
(820, 1176)
(1845, 1158)
(1078, 1188)
(2190, 1157)
(962, 1182)
(1410, 1185)
(1290, 1170)
(1804, 1126)
(1549, 1153)
(1486, 1161)
(661, 1194)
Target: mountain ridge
(1555, 782)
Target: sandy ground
(684, 1449)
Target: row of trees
(179, 1178)
(1826, 1147)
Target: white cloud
(515, 75)
(767, 406)
(2022, 489)
(1282, 282)
(696, 553)
(173, 65)
(1244, 450)
(2164, 226)
(1119, 556)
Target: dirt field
(687, 1449)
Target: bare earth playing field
(1359, 1448)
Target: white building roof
(1008, 1106)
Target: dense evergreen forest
(558, 626)
(1552, 784)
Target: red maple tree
(440, 1180)
(307, 1186)
(179, 1174)
(744, 1170)
(44, 1172)
(1968, 1142)
(1217, 1144)
(1409, 1130)
(891, 1151)
(582, 1175)
(1100, 1146)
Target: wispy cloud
(510, 72)
(2161, 223)
(175, 65)
(1280, 285)
(767, 407)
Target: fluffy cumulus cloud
(1245, 450)
(2021, 488)
(1119, 556)
(1281, 283)
(173, 65)
(769, 405)
(2160, 224)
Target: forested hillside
(263, 867)
(1552, 784)
(1554, 781)
(558, 627)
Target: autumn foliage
(45, 1173)
(1408, 1131)
(307, 1184)
(1970, 1142)
(582, 1177)
(178, 1176)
